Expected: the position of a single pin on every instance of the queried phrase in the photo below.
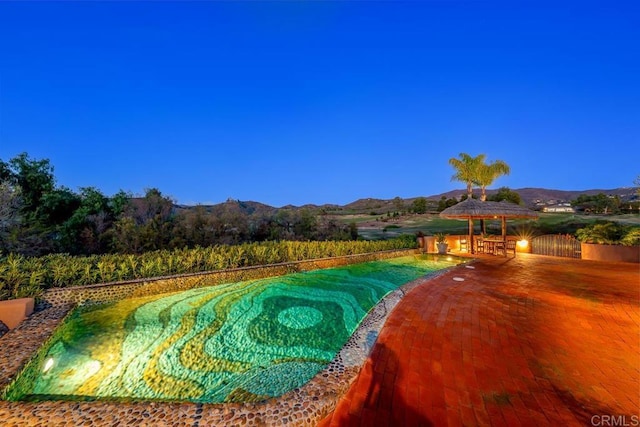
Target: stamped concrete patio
(526, 341)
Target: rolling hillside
(530, 197)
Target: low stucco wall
(428, 244)
(613, 253)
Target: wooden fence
(562, 245)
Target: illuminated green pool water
(243, 341)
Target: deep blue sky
(321, 102)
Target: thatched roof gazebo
(471, 209)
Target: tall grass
(28, 276)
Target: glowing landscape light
(48, 364)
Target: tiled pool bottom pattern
(303, 406)
(237, 342)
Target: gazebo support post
(471, 245)
(503, 220)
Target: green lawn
(429, 224)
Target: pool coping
(306, 405)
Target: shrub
(389, 227)
(632, 238)
(609, 233)
(22, 276)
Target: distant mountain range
(530, 197)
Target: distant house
(562, 207)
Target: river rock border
(304, 406)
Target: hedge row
(28, 276)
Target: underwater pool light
(48, 364)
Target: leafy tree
(398, 204)
(126, 236)
(353, 231)
(444, 203)
(119, 202)
(57, 206)
(5, 173)
(87, 231)
(234, 227)
(599, 203)
(419, 205)
(10, 205)
(93, 201)
(34, 177)
(154, 214)
(152, 207)
(145, 224)
(285, 219)
(264, 228)
(331, 229)
(196, 227)
(29, 180)
(504, 193)
(306, 226)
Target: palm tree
(474, 170)
(487, 173)
(467, 169)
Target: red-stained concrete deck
(527, 341)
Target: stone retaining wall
(107, 292)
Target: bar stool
(463, 245)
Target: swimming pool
(238, 342)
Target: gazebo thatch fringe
(471, 209)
